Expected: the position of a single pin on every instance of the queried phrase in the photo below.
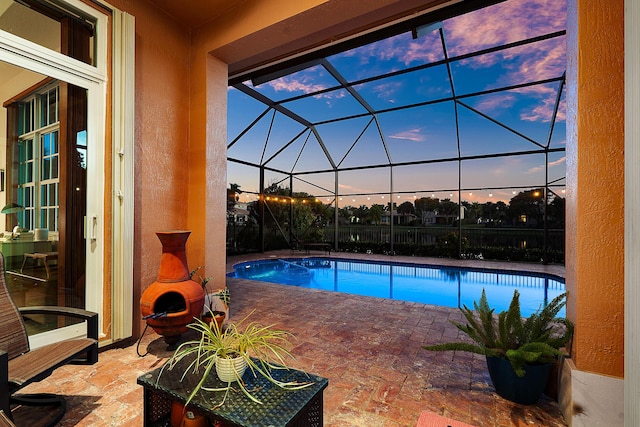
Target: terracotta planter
(218, 316)
(185, 418)
(177, 413)
(170, 303)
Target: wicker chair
(5, 421)
(20, 366)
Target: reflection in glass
(35, 131)
(48, 25)
(24, 22)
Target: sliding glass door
(52, 159)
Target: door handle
(90, 227)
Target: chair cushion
(38, 363)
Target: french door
(54, 105)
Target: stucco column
(216, 170)
(595, 184)
(208, 166)
(591, 385)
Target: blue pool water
(442, 286)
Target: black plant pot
(524, 390)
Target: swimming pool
(436, 285)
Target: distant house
(239, 214)
(398, 219)
(435, 218)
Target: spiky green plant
(536, 339)
(256, 343)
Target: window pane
(53, 194)
(28, 197)
(25, 198)
(43, 196)
(54, 168)
(54, 153)
(53, 106)
(53, 219)
(25, 117)
(82, 157)
(25, 149)
(81, 138)
(44, 110)
(49, 107)
(46, 168)
(41, 28)
(46, 143)
(55, 149)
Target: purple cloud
(415, 135)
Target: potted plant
(519, 351)
(242, 345)
(216, 304)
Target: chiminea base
(172, 341)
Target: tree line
(525, 209)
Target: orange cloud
(560, 162)
(495, 102)
(292, 85)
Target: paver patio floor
(368, 348)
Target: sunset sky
(426, 132)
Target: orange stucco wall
(595, 184)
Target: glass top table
(280, 407)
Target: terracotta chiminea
(170, 303)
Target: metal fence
(475, 236)
(245, 238)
